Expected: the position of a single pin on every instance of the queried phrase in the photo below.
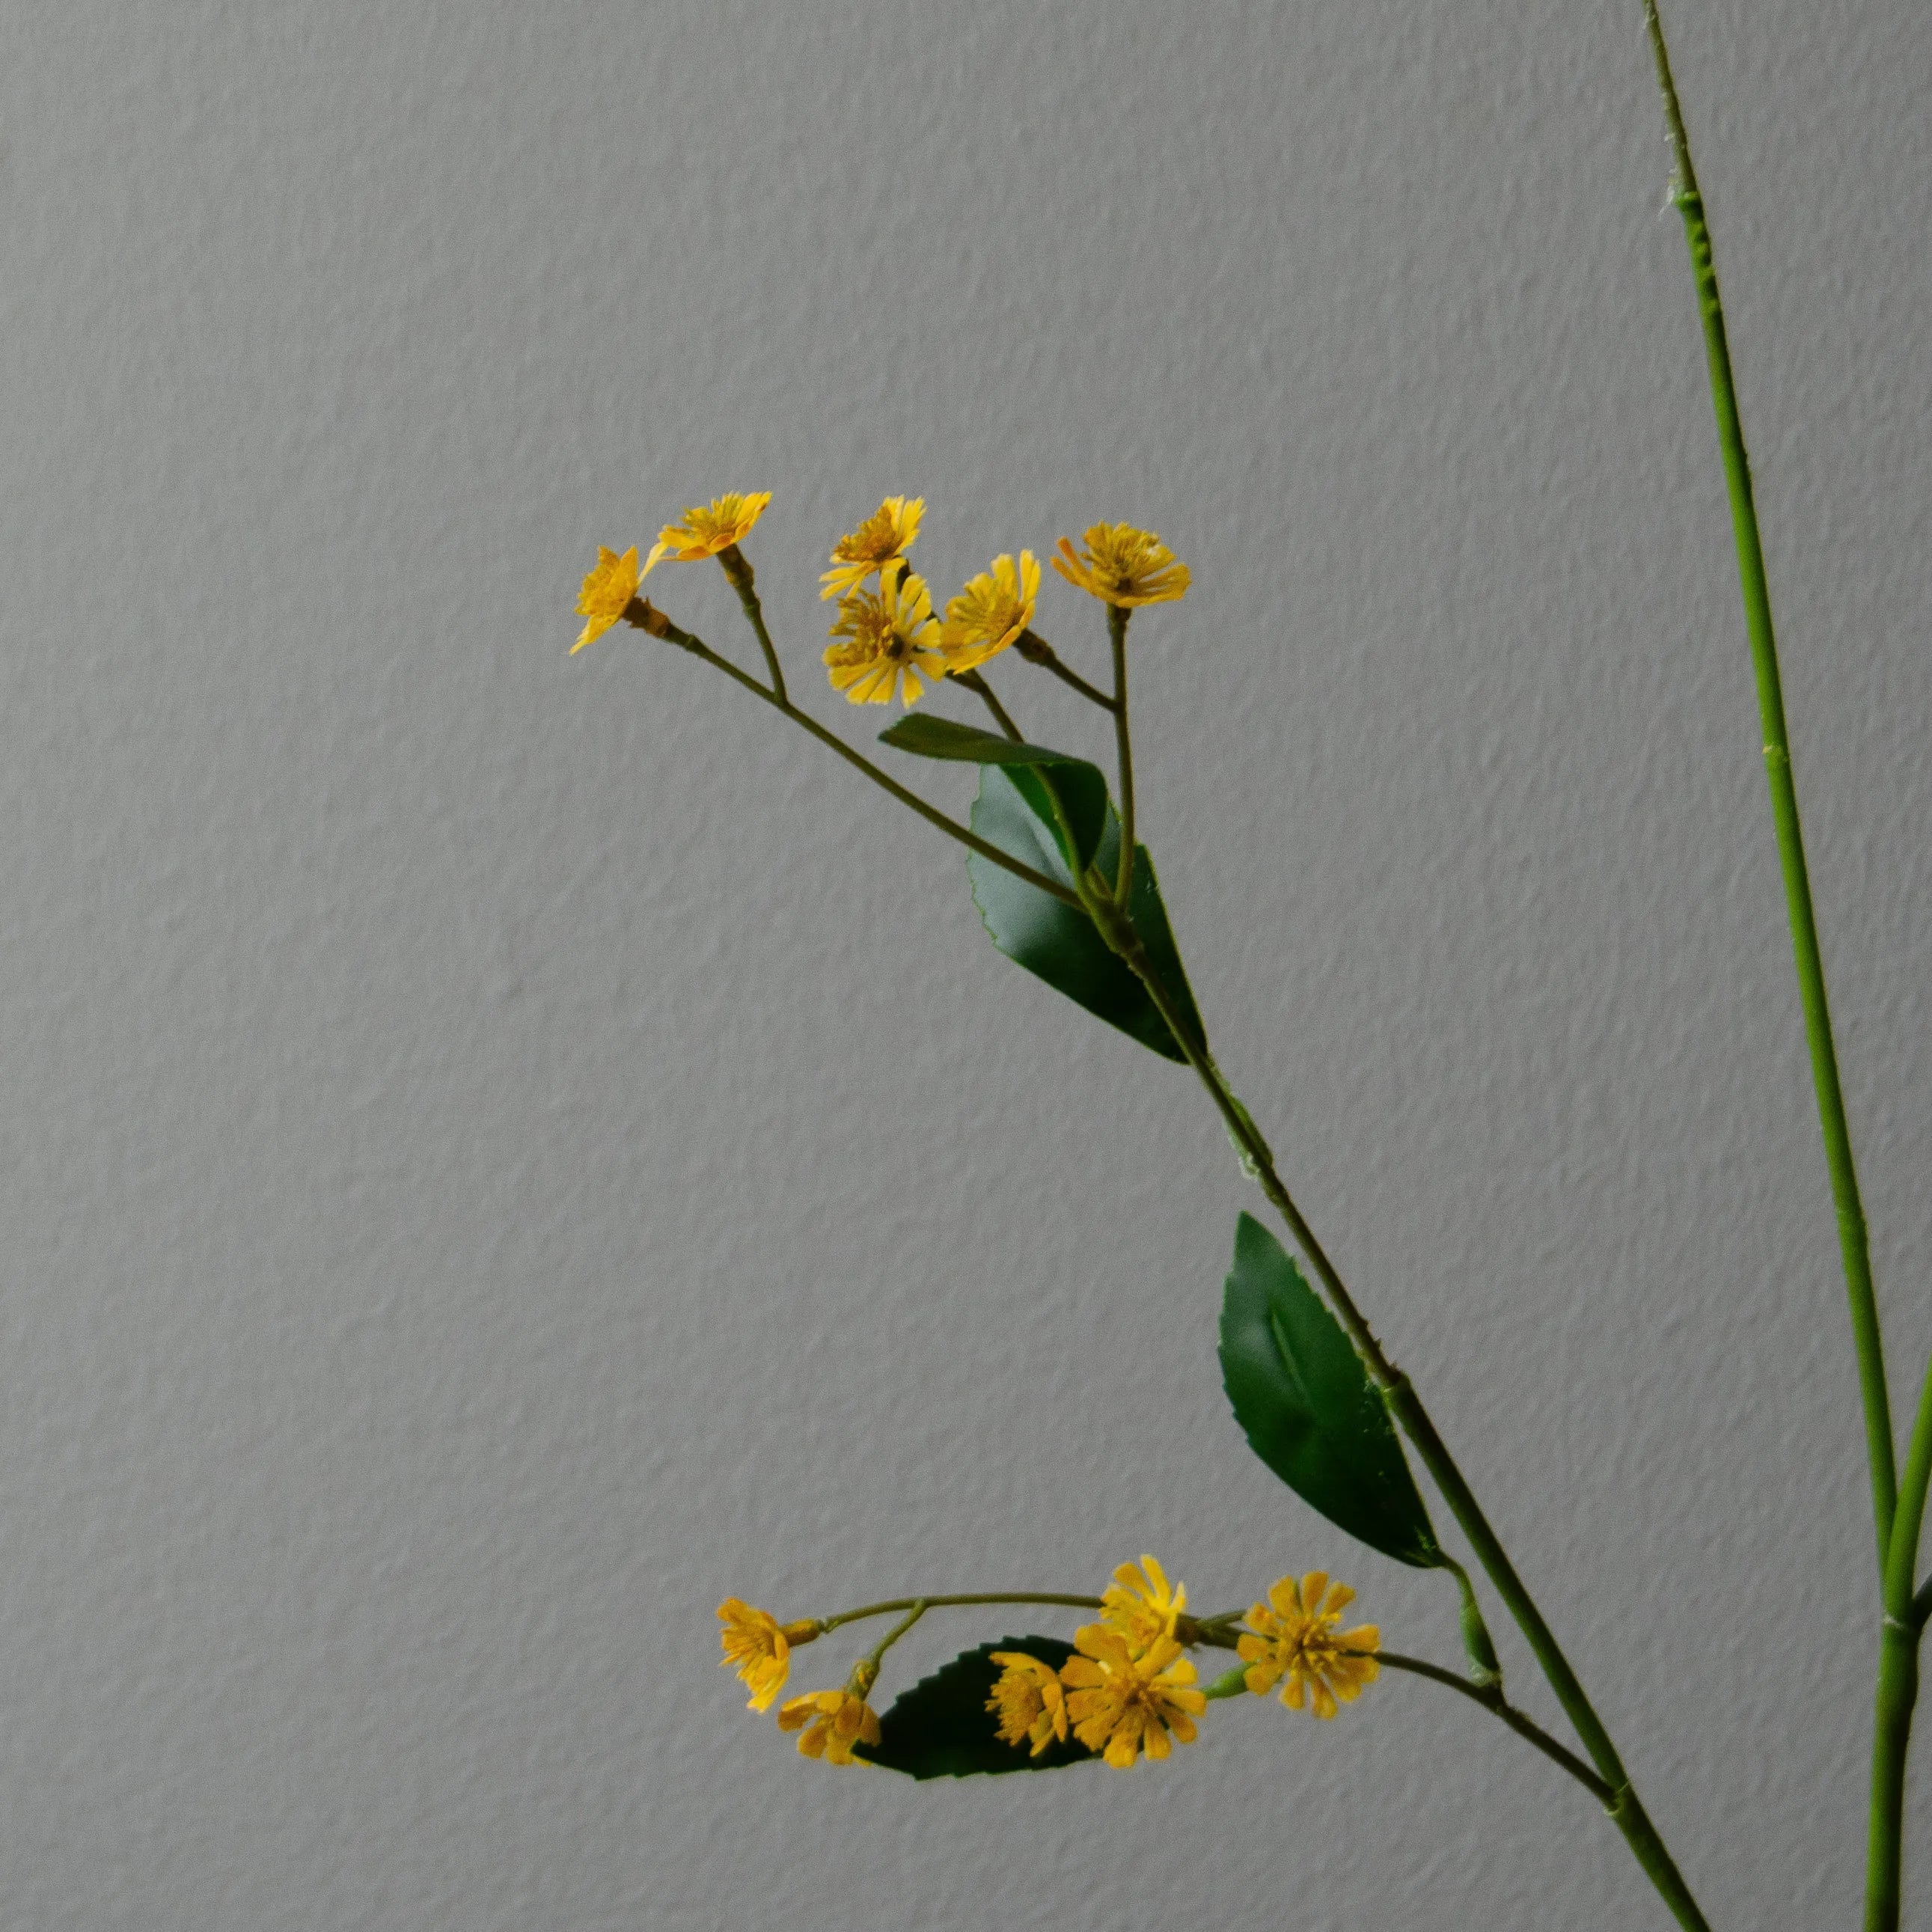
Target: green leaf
(1300, 1392)
(941, 1727)
(1043, 775)
(1058, 941)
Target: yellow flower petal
(888, 635)
(708, 529)
(888, 533)
(995, 608)
(832, 1724)
(1123, 566)
(1122, 1704)
(1293, 1635)
(607, 593)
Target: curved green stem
(918, 1609)
(1625, 1809)
(685, 641)
(972, 1597)
(975, 681)
(1851, 1237)
(1493, 1700)
(1036, 650)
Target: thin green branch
(685, 641)
(738, 571)
(1117, 638)
(1851, 1237)
(1035, 649)
(1493, 1700)
(1902, 1565)
(971, 1597)
(874, 1656)
(975, 681)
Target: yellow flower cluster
(759, 1648)
(885, 641)
(1127, 1693)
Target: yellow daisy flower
(1124, 1705)
(607, 594)
(759, 1648)
(706, 532)
(1028, 1701)
(1142, 1608)
(832, 1723)
(1295, 1637)
(888, 633)
(886, 533)
(990, 612)
(1123, 566)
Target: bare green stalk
(1851, 1237)
(1493, 1700)
(1117, 638)
(685, 641)
(1036, 650)
(971, 1597)
(1896, 1515)
(976, 683)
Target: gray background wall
(503, 1151)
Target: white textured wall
(501, 1151)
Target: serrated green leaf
(1043, 775)
(1301, 1394)
(1058, 941)
(941, 1727)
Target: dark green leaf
(941, 1727)
(1058, 941)
(1302, 1395)
(1079, 787)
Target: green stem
(952, 828)
(1852, 1238)
(975, 681)
(918, 1610)
(1891, 1735)
(1117, 636)
(738, 571)
(1035, 649)
(1626, 1810)
(1897, 1690)
(1493, 1701)
(974, 1596)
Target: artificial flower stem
(1900, 1633)
(738, 569)
(932, 814)
(1492, 1699)
(973, 682)
(1625, 1810)
(877, 1653)
(1852, 1238)
(1485, 1666)
(1117, 636)
(1035, 649)
(943, 1603)
(1891, 1736)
